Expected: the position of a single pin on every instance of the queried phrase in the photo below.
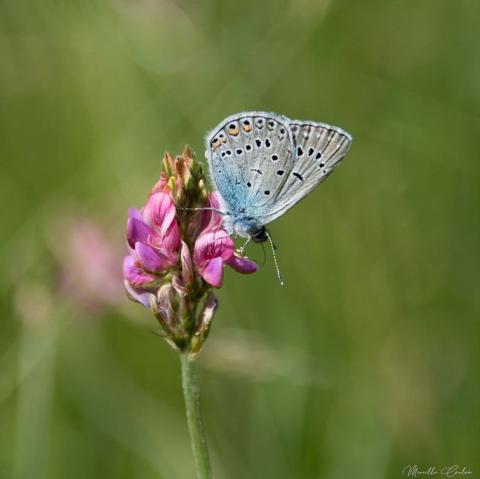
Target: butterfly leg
(242, 249)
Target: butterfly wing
(245, 152)
(318, 150)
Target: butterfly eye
(299, 151)
(311, 151)
(268, 143)
(274, 157)
(258, 142)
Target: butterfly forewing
(249, 157)
(318, 150)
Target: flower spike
(178, 252)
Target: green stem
(194, 419)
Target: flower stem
(194, 419)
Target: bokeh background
(366, 362)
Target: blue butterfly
(262, 164)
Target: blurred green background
(366, 362)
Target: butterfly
(262, 164)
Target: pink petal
(167, 244)
(134, 213)
(211, 219)
(168, 220)
(187, 266)
(135, 275)
(159, 212)
(213, 272)
(214, 199)
(152, 260)
(242, 265)
(137, 231)
(139, 296)
(171, 239)
(212, 244)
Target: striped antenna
(279, 275)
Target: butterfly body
(262, 164)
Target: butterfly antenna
(279, 275)
(206, 208)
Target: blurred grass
(368, 360)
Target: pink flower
(153, 236)
(177, 253)
(214, 248)
(137, 282)
(87, 257)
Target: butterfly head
(260, 235)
